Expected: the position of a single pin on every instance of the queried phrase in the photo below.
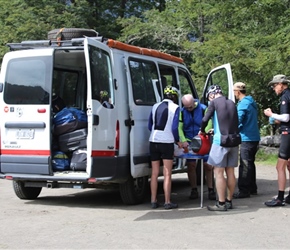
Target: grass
(265, 158)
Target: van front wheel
(27, 193)
(133, 191)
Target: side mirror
(1, 87)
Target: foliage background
(251, 35)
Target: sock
(222, 203)
(280, 195)
(228, 200)
(210, 189)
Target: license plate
(25, 134)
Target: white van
(115, 139)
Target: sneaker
(287, 199)
(275, 203)
(217, 207)
(154, 205)
(240, 195)
(170, 205)
(212, 195)
(229, 204)
(254, 193)
(193, 194)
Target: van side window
(168, 76)
(101, 76)
(143, 74)
(186, 84)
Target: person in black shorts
(163, 124)
(280, 85)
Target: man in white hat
(280, 85)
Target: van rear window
(28, 81)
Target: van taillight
(41, 110)
(117, 139)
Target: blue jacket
(192, 121)
(248, 119)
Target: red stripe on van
(103, 153)
(24, 152)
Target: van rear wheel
(133, 191)
(28, 193)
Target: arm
(150, 121)
(207, 116)
(180, 128)
(241, 115)
(282, 118)
(175, 124)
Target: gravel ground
(97, 219)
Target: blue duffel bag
(60, 161)
(64, 116)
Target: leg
(154, 180)
(208, 174)
(209, 181)
(252, 158)
(221, 184)
(231, 182)
(281, 170)
(244, 179)
(167, 170)
(191, 173)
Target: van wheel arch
(27, 193)
(134, 190)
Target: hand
(201, 133)
(210, 132)
(268, 112)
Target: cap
(278, 79)
(239, 86)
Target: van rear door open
(102, 121)
(25, 113)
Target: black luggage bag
(79, 160)
(73, 140)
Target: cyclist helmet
(169, 90)
(213, 89)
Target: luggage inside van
(68, 120)
(74, 140)
(60, 161)
(79, 160)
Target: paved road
(97, 219)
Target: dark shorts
(160, 151)
(284, 149)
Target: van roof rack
(33, 44)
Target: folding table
(197, 158)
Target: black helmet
(213, 89)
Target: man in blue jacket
(189, 125)
(250, 135)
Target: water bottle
(271, 120)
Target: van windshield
(28, 80)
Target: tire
(26, 193)
(69, 33)
(133, 191)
